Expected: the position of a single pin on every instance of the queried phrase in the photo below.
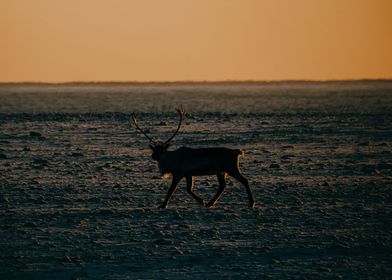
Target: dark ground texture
(78, 197)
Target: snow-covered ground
(79, 190)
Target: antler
(141, 130)
(181, 113)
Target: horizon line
(250, 81)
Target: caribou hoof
(209, 205)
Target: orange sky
(172, 40)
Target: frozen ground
(78, 189)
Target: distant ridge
(261, 82)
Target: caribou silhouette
(189, 162)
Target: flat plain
(79, 190)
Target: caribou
(190, 162)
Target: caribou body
(189, 162)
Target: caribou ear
(151, 146)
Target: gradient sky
(173, 40)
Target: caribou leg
(176, 180)
(239, 177)
(190, 184)
(222, 187)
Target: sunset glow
(174, 40)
